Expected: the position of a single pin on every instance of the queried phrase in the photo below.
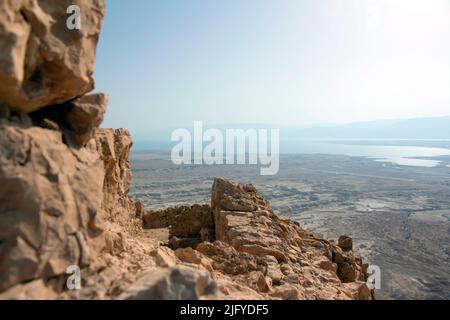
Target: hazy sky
(168, 63)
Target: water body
(411, 162)
(388, 151)
(420, 153)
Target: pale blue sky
(168, 63)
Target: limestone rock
(50, 196)
(42, 62)
(229, 196)
(54, 207)
(35, 290)
(195, 257)
(345, 242)
(183, 221)
(254, 232)
(85, 116)
(358, 291)
(270, 254)
(63, 195)
(178, 283)
(258, 281)
(287, 292)
(164, 257)
(114, 147)
(188, 255)
(228, 260)
(347, 272)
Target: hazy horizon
(430, 128)
(287, 62)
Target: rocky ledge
(252, 252)
(64, 200)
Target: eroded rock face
(50, 195)
(61, 205)
(113, 146)
(42, 62)
(63, 195)
(60, 188)
(52, 191)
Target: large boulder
(244, 220)
(177, 283)
(84, 116)
(345, 242)
(42, 62)
(229, 196)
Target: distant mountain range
(417, 128)
(400, 129)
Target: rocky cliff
(64, 194)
